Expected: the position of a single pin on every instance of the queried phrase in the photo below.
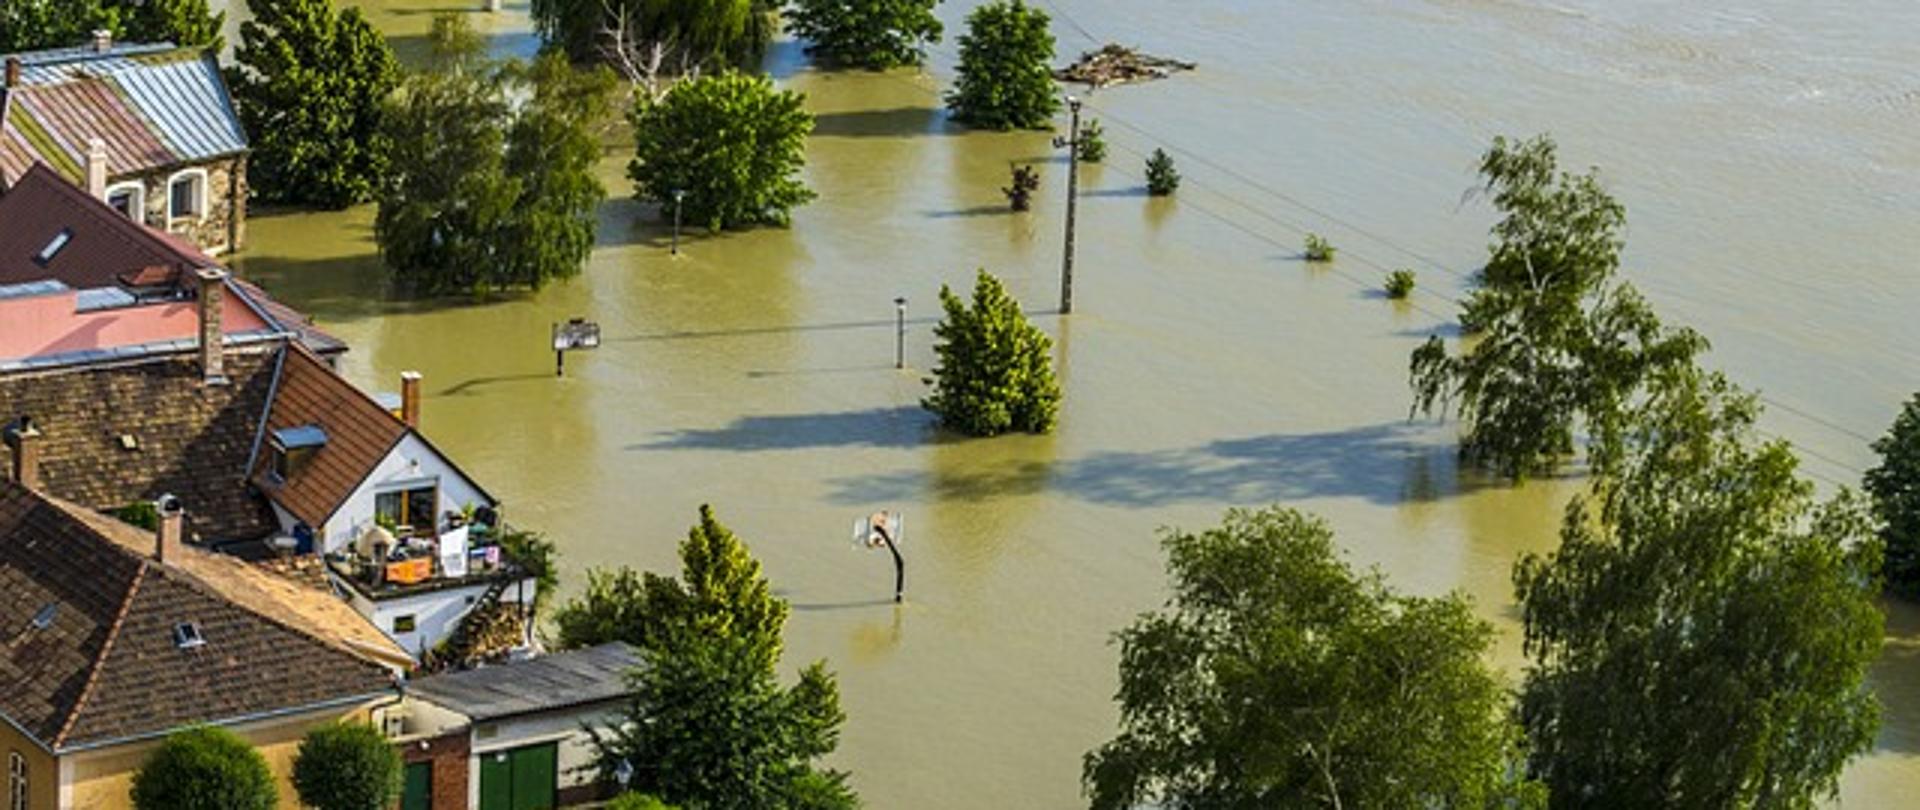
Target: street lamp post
(900, 332)
(678, 196)
(1073, 198)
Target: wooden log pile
(1117, 64)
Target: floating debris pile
(1118, 64)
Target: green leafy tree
(1162, 178)
(204, 768)
(483, 194)
(536, 553)
(1400, 284)
(1701, 637)
(29, 25)
(687, 34)
(637, 801)
(1006, 75)
(872, 34)
(1092, 143)
(1025, 181)
(1560, 341)
(1895, 487)
(347, 766)
(732, 143)
(721, 591)
(996, 368)
(311, 86)
(1277, 676)
(709, 725)
(1318, 249)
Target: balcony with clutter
(394, 559)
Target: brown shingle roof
(193, 440)
(106, 666)
(103, 245)
(359, 434)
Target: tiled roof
(154, 110)
(359, 434)
(294, 590)
(105, 667)
(103, 245)
(555, 681)
(191, 439)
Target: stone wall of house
(222, 229)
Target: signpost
(887, 530)
(576, 333)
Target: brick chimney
(24, 440)
(102, 40)
(171, 534)
(97, 168)
(13, 71)
(410, 398)
(213, 293)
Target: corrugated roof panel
(187, 105)
(102, 298)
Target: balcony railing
(420, 562)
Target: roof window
(186, 636)
(54, 246)
(44, 619)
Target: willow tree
(1277, 676)
(1005, 76)
(1560, 342)
(1701, 637)
(684, 34)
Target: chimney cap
(20, 428)
(168, 505)
(410, 375)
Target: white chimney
(102, 40)
(97, 168)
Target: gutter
(260, 434)
(29, 735)
(233, 721)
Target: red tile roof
(103, 244)
(360, 433)
(47, 325)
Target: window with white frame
(187, 195)
(16, 781)
(130, 199)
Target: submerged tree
(1276, 676)
(1701, 637)
(1162, 178)
(1025, 181)
(679, 36)
(487, 194)
(731, 143)
(1561, 342)
(311, 85)
(996, 368)
(1005, 75)
(1895, 486)
(1092, 144)
(708, 724)
(872, 34)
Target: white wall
(576, 755)
(436, 614)
(410, 462)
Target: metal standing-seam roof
(153, 108)
(554, 681)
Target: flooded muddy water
(1763, 148)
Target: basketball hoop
(884, 529)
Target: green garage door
(418, 794)
(519, 779)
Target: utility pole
(900, 332)
(1073, 198)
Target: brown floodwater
(1764, 150)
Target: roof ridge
(99, 660)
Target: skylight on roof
(44, 619)
(54, 246)
(300, 437)
(186, 636)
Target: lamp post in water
(678, 196)
(1073, 198)
(900, 332)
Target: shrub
(996, 368)
(1319, 249)
(873, 34)
(1895, 488)
(1025, 182)
(1399, 284)
(732, 142)
(1093, 143)
(204, 768)
(1006, 74)
(1162, 179)
(347, 766)
(637, 801)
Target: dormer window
(54, 246)
(293, 447)
(186, 636)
